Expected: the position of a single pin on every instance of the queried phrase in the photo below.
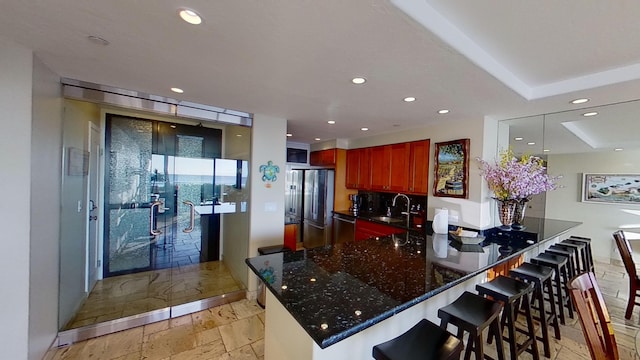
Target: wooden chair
(594, 317)
(634, 282)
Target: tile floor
(236, 331)
(126, 295)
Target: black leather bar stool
(574, 258)
(589, 253)
(514, 294)
(425, 340)
(540, 276)
(559, 264)
(473, 313)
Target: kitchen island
(336, 302)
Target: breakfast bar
(337, 302)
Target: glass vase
(518, 216)
(506, 212)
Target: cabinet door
(419, 167)
(353, 168)
(380, 167)
(323, 157)
(364, 175)
(398, 167)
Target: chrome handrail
(192, 219)
(152, 218)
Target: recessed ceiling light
(364, 129)
(173, 126)
(317, 139)
(546, 150)
(531, 143)
(618, 149)
(177, 90)
(409, 99)
(190, 16)
(98, 40)
(518, 138)
(358, 80)
(443, 111)
(239, 135)
(289, 135)
(331, 122)
(580, 101)
(593, 113)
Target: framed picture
(611, 188)
(451, 169)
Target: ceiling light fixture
(177, 90)
(618, 149)
(289, 134)
(364, 129)
(518, 138)
(546, 150)
(590, 114)
(331, 122)
(409, 99)
(531, 143)
(579, 101)
(190, 16)
(98, 40)
(443, 111)
(239, 135)
(358, 80)
(317, 139)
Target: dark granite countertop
(399, 222)
(337, 291)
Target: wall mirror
(601, 140)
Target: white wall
(268, 143)
(46, 136)
(599, 220)
(16, 67)
(472, 212)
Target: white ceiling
(295, 59)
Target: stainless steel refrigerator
(309, 199)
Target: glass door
(158, 174)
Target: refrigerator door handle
(315, 226)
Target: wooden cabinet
(402, 167)
(419, 167)
(323, 157)
(367, 229)
(390, 167)
(358, 169)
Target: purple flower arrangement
(517, 178)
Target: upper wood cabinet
(402, 167)
(419, 167)
(323, 158)
(358, 171)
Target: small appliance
(356, 203)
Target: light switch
(79, 205)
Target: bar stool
(559, 264)
(573, 251)
(540, 276)
(425, 340)
(589, 253)
(566, 253)
(473, 313)
(581, 248)
(514, 294)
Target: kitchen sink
(386, 219)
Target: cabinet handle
(153, 231)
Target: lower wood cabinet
(368, 229)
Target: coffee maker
(356, 203)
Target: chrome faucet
(408, 212)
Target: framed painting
(451, 169)
(611, 188)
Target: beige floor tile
(243, 353)
(246, 308)
(168, 342)
(258, 348)
(242, 332)
(155, 327)
(214, 317)
(205, 352)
